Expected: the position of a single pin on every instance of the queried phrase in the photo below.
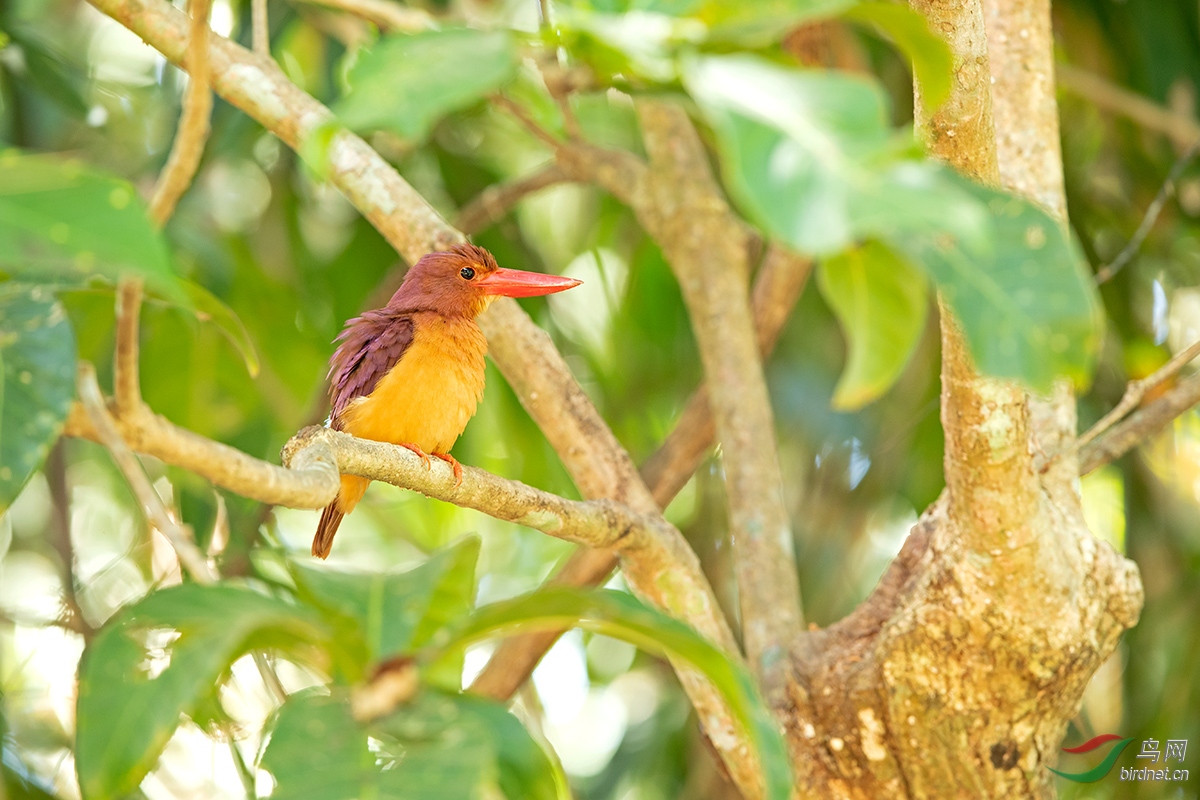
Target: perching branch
(193, 128)
(524, 353)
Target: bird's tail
(351, 492)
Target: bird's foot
(454, 465)
(413, 448)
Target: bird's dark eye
(467, 273)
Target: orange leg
(453, 462)
(413, 448)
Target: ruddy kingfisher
(411, 373)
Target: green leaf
(762, 22)
(1027, 304)
(61, 219)
(208, 308)
(881, 302)
(37, 354)
(621, 616)
(808, 156)
(44, 67)
(406, 83)
(932, 61)
(751, 24)
(161, 658)
(439, 746)
(379, 615)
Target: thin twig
(127, 392)
(1140, 425)
(60, 516)
(1136, 391)
(495, 201)
(260, 28)
(152, 505)
(527, 121)
(193, 128)
(1151, 216)
(1183, 130)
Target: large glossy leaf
(621, 616)
(932, 61)
(37, 359)
(406, 83)
(809, 156)
(1028, 306)
(881, 302)
(62, 219)
(380, 615)
(162, 658)
(439, 746)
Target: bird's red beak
(518, 283)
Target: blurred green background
(292, 259)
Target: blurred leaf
(932, 61)
(37, 356)
(380, 615)
(60, 218)
(881, 302)
(630, 45)
(208, 308)
(44, 68)
(406, 83)
(752, 24)
(621, 616)
(808, 155)
(1027, 304)
(162, 658)
(439, 746)
(759, 23)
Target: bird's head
(464, 280)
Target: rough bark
(957, 677)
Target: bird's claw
(421, 453)
(454, 465)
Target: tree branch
(495, 201)
(389, 16)
(260, 28)
(524, 353)
(60, 539)
(1140, 425)
(681, 205)
(1151, 216)
(1180, 129)
(152, 505)
(780, 281)
(193, 128)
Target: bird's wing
(370, 346)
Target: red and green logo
(1104, 767)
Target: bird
(412, 373)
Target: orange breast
(427, 398)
